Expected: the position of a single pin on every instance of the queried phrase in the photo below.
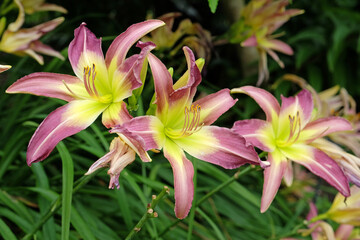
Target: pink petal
(183, 178)
(324, 126)
(250, 42)
(190, 80)
(85, 50)
(302, 103)
(272, 178)
(45, 84)
(148, 128)
(121, 45)
(321, 165)
(279, 46)
(61, 123)
(344, 231)
(219, 146)
(266, 101)
(127, 76)
(249, 129)
(39, 47)
(214, 105)
(163, 85)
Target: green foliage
(213, 5)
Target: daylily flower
(100, 86)
(26, 41)
(120, 155)
(321, 230)
(258, 21)
(3, 68)
(336, 101)
(182, 125)
(286, 135)
(345, 210)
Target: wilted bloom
(3, 68)
(287, 135)
(259, 20)
(321, 230)
(26, 41)
(100, 86)
(187, 34)
(182, 125)
(120, 155)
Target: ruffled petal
(61, 123)
(266, 101)
(120, 46)
(219, 146)
(320, 164)
(251, 130)
(272, 178)
(183, 178)
(49, 85)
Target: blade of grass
(6, 232)
(42, 182)
(80, 226)
(68, 181)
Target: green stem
(56, 205)
(238, 174)
(150, 213)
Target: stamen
(89, 81)
(191, 123)
(67, 87)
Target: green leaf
(81, 227)
(67, 188)
(213, 5)
(6, 232)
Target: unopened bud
(150, 211)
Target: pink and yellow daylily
(179, 125)
(287, 135)
(100, 86)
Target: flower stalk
(150, 213)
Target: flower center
(191, 123)
(294, 133)
(89, 77)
